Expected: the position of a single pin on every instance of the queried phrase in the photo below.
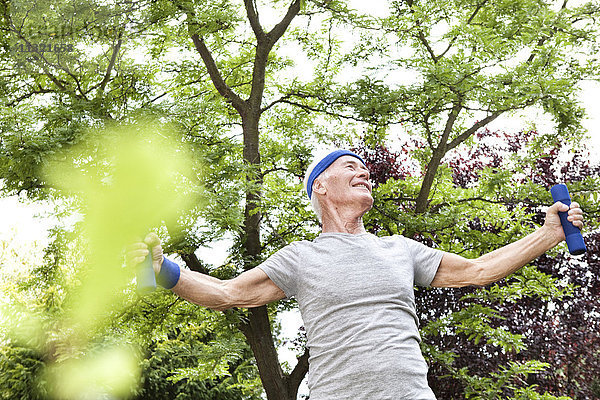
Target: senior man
(355, 290)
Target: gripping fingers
(139, 256)
(575, 215)
(136, 253)
(153, 242)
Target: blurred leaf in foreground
(126, 180)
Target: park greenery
(248, 91)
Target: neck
(342, 223)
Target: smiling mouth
(363, 185)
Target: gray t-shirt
(356, 298)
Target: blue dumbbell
(146, 281)
(573, 236)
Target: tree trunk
(258, 334)
(252, 215)
(442, 148)
(257, 329)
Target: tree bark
(294, 379)
(252, 215)
(423, 199)
(258, 334)
(258, 328)
(436, 159)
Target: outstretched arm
(252, 288)
(457, 271)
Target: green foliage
(19, 370)
(494, 386)
(435, 71)
(177, 337)
(527, 282)
(472, 212)
(192, 353)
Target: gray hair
(316, 206)
(314, 201)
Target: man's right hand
(137, 252)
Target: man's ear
(318, 187)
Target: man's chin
(367, 202)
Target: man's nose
(364, 173)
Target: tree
(214, 70)
(470, 63)
(71, 88)
(20, 364)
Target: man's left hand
(552, 222)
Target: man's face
(347, 182)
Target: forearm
(203, 290)
(252, 288)
(504, 261)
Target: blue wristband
(169, 274)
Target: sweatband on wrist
(169, 274)
(324, 164)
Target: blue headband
(324, 163)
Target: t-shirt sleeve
(426, 261)
(282, 269)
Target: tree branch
(261, 57)
(254, 21)
(449, 125)
(45, 62)
(294, 379)
(421, 35)
(543, 39)
(191, 260)
(111, 64)
(477, 9)
(437, 207)
(279, 29)
(28, 95)
(401, 198)
(466, 134)
(314, 109)
(213, 71)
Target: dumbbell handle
(573, 235)
(146, 281)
